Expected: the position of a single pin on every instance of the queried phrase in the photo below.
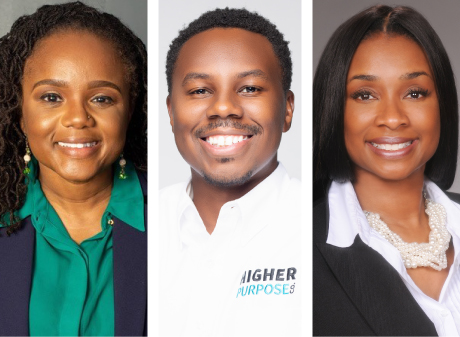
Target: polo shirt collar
(126, 201)
(261, 197)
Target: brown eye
(362, 95)
(250, 89)
(200, 92)
(417, 93)
(102, 100)
(51, 98)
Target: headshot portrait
(386, 234)
(73, 168)
(230, 228)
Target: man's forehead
(236, 51)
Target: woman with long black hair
(386, 235)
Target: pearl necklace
(431, 254)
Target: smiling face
(75, 105)
(392, 121)
(227, 106)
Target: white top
(347, 219)
(244, 278)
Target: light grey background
(132, 13)
(443, 16)
(174, 16)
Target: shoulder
(170, 199)
(453, 196)
(320, 219)
(142, 176)
(172, 192)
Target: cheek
(432, 130)
(37, 123)
(352, 132)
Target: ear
(289, 110)
(171, 118)
(23, 126)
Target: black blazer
(129, 277)
(357, 292)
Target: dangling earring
(27, 159)
(122, 162)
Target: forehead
(226, 52)
(388, 56)
(66, 53)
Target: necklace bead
(431, 254)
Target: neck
(76, 198)
(399, 203)
(209, 199)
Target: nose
(225, 105)
(76, 115)
(392, 115)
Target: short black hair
(233, 18)
(330, 157)
(18, 45)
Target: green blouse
(72, 285)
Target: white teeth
(392, 147)
(222, 141)
(77, 145)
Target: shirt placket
(210, 288)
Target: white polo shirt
(244, 278)
(347, 219)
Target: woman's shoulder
(320, 219)
(453, 196)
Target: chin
(227, 181)
(396, 175)
(78, 173)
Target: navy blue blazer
(129, 277)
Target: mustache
(228, 123)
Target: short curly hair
(233, 18)
(17, 45)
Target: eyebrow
(364, 78)
(100, 84)
(407, 76)
(415, 74)
(203, 76)
(56, 83)
(63, 84)
(254, 72)
(194, 76)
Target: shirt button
(444, 313)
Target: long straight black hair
(330, 157)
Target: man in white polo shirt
(230, 237)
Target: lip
(77, 152)
(392, 154)
(390, 140)
(225, 132)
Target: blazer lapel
(130, 276)
(377, 290)
(17, 252)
